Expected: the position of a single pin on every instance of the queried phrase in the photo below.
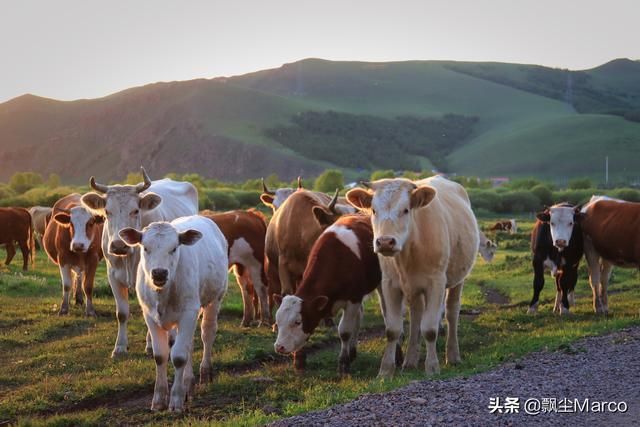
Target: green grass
(57, 371)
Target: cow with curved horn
(134, 206)
(275, 199)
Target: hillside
(514, 120)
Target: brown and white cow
(611, 231)
(427, 237)
(509, 225)
(342, 269)
(134, 206)
(245, 232)
(39, 217)
(72, 241)
(16, 226)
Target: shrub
(487, 200)
(329, 180)
(544, 194)
(24, 181)
(628, 194)
(580, 184)
(380, 174)
(219, 200)
(519, 201)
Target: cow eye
(134, 213)
(406, 211)
(553, 223)
(146, 250)
(373, 211)
(173, 251)
(298, 322)
(570, 224)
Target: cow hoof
(91, 313)
(432, 368)
(176, 408)
(399, 355)
(532, 310)
(63, 312)
(344, 369)
(148, 351)
(386, 373)
(454, 361)
(206, 375)
(245, 324)
(118, 352)
(158, 404)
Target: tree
(329, 180)
(380, 174)
(21, 182)
(53, 181)
(580, 184)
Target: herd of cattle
(412, 242)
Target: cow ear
(578, 216)
(150, 201)
(543, 216)
(277, 299)
(323, 216)
(320, 302)
(189, 237)
(360, 198)
(267, 199)
(93, 201)
(422, 196)
(62, 218)
(130, 236)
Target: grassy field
(57, 370)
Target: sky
(70, 49)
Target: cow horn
(101, 188)
(143, 185)
(299, 183)
(265, 189)
(332, 203)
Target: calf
(245, 233)
(39, 218)
(182, 271)
(556, 243)
(16, 226)
(72, 241)
(342, 269)
(426, 236)
(486, 248)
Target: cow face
(122, 206)
(561, 220)
(487, 250)
(296, 320)
(160, 243)
(82, 224)
(391, 202)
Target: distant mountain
(470, 118)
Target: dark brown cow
(245, 233)
(16, 226)
(611, 238)
(508, 225)
(342, 269)
(72, 241)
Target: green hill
(306, 116)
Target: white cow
(134, 206)
(427, 238)
(182, 270)
(486, 248)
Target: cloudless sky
(69, 49)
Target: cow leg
(161, 355)
(538, 284)
(208, 330)
(121, 295)
(593, 265)
(77, 286)
(348, 329)
(416, 308)
(434, 295)
(87, 285)
(24, 248)
(452, 312)
(556, 304)
(567, 281)
(399, 355)
(11, 252)
(67, 277)
(247, 304)
(605, 275)
(393, 326)
(287, 284)
(180, 358)
(260, 289)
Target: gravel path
(605, 368)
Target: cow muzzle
(78, 247)
(119, 248)
(159, 276)
(279, 348)
(386, 246)
(561, 244)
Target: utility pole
(606, 171)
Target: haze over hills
(482, 119)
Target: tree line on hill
(523, 195)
